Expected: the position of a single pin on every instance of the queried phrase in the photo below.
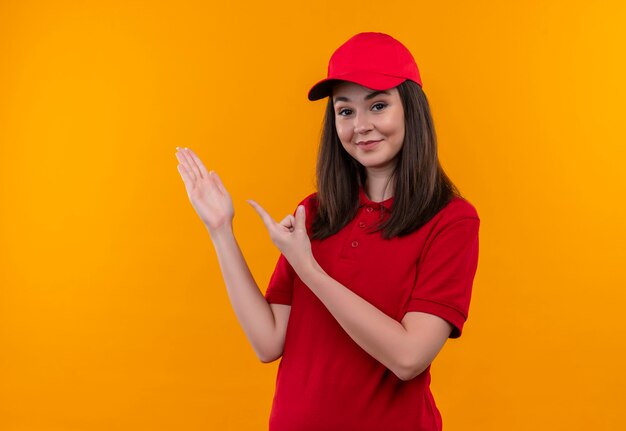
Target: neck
(378, 186)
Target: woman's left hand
(289, 236)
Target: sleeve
(280, 288)
(445, 275)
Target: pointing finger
(267, 219)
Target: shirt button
(355, 243)
(369, 209)
(362, 224)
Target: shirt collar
(365, 201)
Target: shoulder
(310, 201)
(457, 224)
(458, 210)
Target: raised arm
(264, 324)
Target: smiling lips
(367, 144)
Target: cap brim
(374, 81)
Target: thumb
(300, 218)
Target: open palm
(206, 191)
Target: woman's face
(370, 124)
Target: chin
(377, 165)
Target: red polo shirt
(325, 381)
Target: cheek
(343, 132)
(394, 126)
(401, 132)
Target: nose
(362, 124)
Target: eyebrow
(368, 97)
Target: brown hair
(421, 187)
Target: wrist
(223, 232)
(308, 269)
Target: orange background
(113, 313)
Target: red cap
(373, 60)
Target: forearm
(381, 336)
(250, 306)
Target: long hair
(421, 187)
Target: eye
(344, 112)
(379, 106)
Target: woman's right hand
(206, 192)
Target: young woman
(376, 267)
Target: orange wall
(113, 313)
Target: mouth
(367, 144)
